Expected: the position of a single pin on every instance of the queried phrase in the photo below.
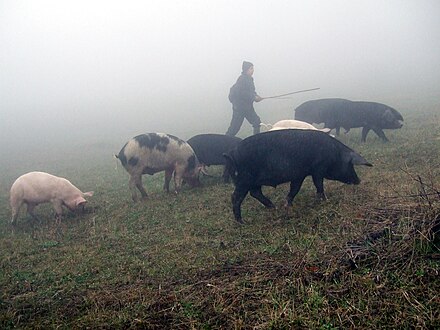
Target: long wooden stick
(276, 96)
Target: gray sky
(96, 70)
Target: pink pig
(34, 188)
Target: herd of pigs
(289, 151)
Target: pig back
(155, 152)
(39, 187)
(318, 111)
(274, 157)
(373, 114)
(209, 148)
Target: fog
(94, 71)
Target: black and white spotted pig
(155, 152)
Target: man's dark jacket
(243, 93)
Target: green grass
(365, 258)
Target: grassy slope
(361, 259)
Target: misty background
(75, 72)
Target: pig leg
(258, 194)
(140, 186)
(226, 174)
(136, 182)
(132, 185)
(177, 183)
(58, 207)
(318, 181)
(295, 186)
(380, 133)
(15, 206)
(237, 198)
(179, 173)
(365, 131)
(168, 176)
(30, 211)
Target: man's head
(247, 68)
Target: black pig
(209, 149)
(276, 157)
(336, 113)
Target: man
(242, 96)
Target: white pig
(34, 188)
(292, 123)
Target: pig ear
(203, 171)
(88, 194)
(229, 160)
(388, 115)
(80, 201)
(357, 159)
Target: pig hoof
(321, 197)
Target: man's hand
(258, 98)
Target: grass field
(366, 258)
